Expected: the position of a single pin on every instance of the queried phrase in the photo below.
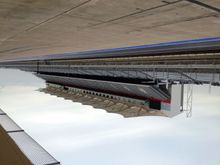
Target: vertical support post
(37, 67)
(68, 70)
(182, 97)
(210, 88)
(189, 97)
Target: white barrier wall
(176, 101)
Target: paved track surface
(31, 28)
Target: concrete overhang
(10, 153)
(31, 28)
(18, 148)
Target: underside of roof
(18, 148)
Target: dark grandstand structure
(145, 75)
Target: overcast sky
(81, 135)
